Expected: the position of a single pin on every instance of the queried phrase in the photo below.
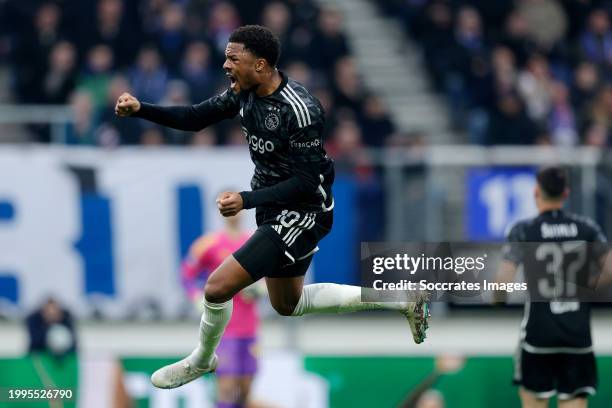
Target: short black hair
(260, 41)
(553, 181)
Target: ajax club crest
(272, 121)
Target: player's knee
(216, 292)
(285, 308)
(530, 400)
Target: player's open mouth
(232, 79)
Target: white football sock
(212, 325)
(334, 298)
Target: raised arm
(188, 118)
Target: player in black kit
(291, 192)
(555, 353)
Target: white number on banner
(507, 199)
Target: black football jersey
(553, 250)
(284, 130)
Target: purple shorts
(237, 357)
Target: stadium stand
(518, 72)
(171, 52)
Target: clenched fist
(126, 105)
(229, 204)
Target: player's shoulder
(585, 223)
(517, 231)
(582, 220)
(300, 90)
(303, 108)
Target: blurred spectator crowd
(86, 53)
(518, 72)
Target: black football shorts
(565, 375)
(284, 243)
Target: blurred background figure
(97, 73)
(59, 80)
(171, 35)
(83, 131)
(51, 329)
(198, 71)
(149, 76)
(223, 20)
(424, 395)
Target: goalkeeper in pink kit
(237, 360)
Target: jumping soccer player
(237, 359)
(555, 353)
(291, 192)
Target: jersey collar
(553, 213)
(282, 85)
